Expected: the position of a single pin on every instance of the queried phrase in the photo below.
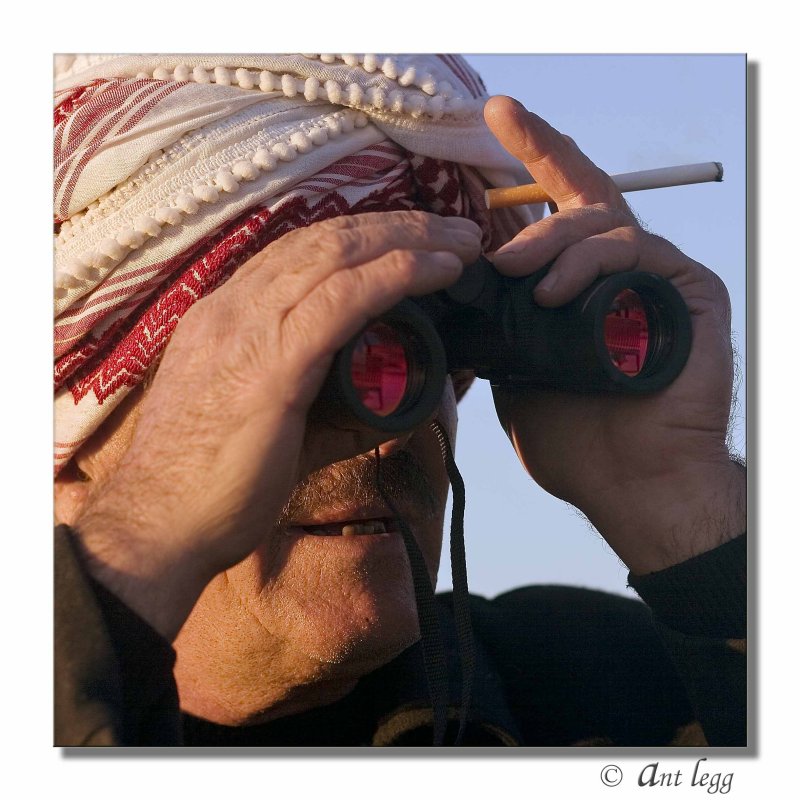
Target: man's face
(327, 596)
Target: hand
(652, 473)
(221, 437)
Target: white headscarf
(171, 171)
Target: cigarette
(681, 175)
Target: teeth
(349, 529)
(363, 528)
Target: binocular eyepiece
(629, 332)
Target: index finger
(554, 160)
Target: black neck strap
(432, 644)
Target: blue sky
(627, 113)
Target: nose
(392, 446)
(446, 413)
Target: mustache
(338, 486)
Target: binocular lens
(629, 332)
(626, 332)
(390, 377)
(379, 369)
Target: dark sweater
(556, 666)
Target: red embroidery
(122, 354)
(131, 347)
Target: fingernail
(548, 283)
(462, 224)
(446, 260)
(467, 238)
(510, 249)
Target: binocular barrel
(628, 332)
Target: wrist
(657, 523)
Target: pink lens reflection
(379, 369)
(626, 333)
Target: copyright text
(700, 776)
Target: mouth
(373, 526)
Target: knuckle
(207, 319)
(420, 222)
(344, 286)
(335, 223)
(611, 188)
(315, 232)
(615, 215)
(625, 215)
(632, 235)
(394, 271)
(403, 263)
(665, 252)
(410, 216)
(719, 290)
(718, 297)
(334, 245)
(203, 332)
(289, 239)
(282, 248)
(246, 355)
(326, 242)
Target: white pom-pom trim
(147, 225)
(244, 78)
(334, 91)
(334, 124)
(205, 192)
(289, 85)
(225, 180)
(266, 82)
(301, 142)
(424, 96)
(389, 68)
(168, 216)
(187, 203)
(355, 95)
(245, 170)
(132, 238)
(395, 101)
(93, 265)
(311, 90)
(263, 159)
(318, 136)
(112, 249)
(408, 77)
(284, 152)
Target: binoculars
(629, 332)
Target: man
(232, 523)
